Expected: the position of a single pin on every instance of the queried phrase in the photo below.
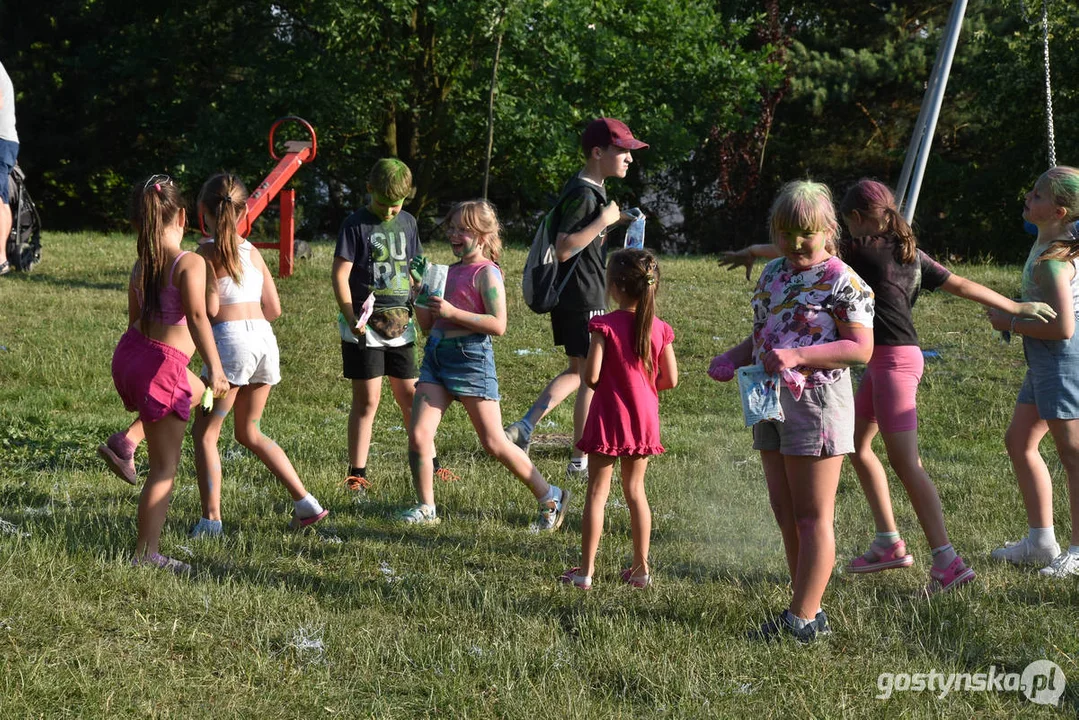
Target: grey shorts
(1052, 380)
(820, 424)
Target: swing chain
(1048, 86)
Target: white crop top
(250, 288)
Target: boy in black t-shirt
(374, 248)
(582, 221)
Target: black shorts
(570, 328)
(366, 363)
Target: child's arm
(1053, 278)
(489, 283)
(970, 290)
(594, 362)
(668, 368)
(339, 274)
(192, 284)
(723, 366)
(425, 319)
(213, 300)
(855, 346)
(271, 301)
(734, 259)
(569, 244)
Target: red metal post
(288, 228)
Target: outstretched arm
(744, 258)
(1053, 278)
(970, 290)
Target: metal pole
(935, 99)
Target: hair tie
(157, 186)
(651, 279)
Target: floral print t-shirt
(797, 309)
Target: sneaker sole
(567, 495)
(903, 562)
(113, 461)
(304, 523)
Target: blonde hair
(807, 205)
(221, 202)
(1063, 184)
(480, 216)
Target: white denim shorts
(248, 350)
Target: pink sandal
(299, 523)
(638, 582)
(877, 559)
(572, 577)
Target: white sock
(307, 506)
(800, 623)
(581, 462)
(1042, 537)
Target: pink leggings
(889, 387)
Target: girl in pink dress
(630, 359)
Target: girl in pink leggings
(166, 303)
(883, 250)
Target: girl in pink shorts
(167, 324)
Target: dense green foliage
(735, 97)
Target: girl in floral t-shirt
(812, 314)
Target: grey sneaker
(1025, 552)
(517, 435)
(420, 515)
(1064, 565)
(207, 528)
(577, 469)
(161, 562)
(552, 512)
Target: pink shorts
(151, 377)
(889, 388)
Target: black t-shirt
(586, 289)
(379, 253)
(895, 285)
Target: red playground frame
(297, 152)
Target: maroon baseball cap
(608, 131)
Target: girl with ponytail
(630, 359)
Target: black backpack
(541, 266)
(24, 243)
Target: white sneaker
(1064, 565)
(1026, 552)
(577, 469)
(419, 515)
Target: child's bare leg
(640, 515)
(1035, 484)
(600, 468)
(1066, 437)
(486, 417)
(872, 476)
(561, 387)
(361, 419)
(164, 440)
(135, 433)
(428, 407)
(779, 496)
(250, 402)
(206, 432)
(905, 460)
(580, 410)
(813, 482)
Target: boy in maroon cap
(582, 218)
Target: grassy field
(367, 618)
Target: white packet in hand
(434, 283)
(635, 231)
(760, 395)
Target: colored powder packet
(366, 309)
(760, 395)
(207, 400)
(434, 283)
(795, 382)
(635, 231)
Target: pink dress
(623, 419)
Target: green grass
(368, 618)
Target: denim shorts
(1052, 380)
(9, 153)
(464, 365)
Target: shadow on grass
(69, 283)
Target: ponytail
(875, 199)
(221, 201)
(906, 251)
(635, 273)
(154, 205)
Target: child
(883, 251)
(811, 313)
(458, 362)
(630, 358)
(166, 304)
(241, 302)
(582, 219)
(1049, 398)
(374, 248)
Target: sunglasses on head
(157, 181)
